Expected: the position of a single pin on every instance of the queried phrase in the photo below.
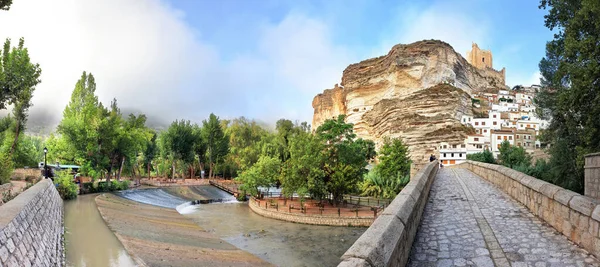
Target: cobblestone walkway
(470, 222)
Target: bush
(486, 157)
(106, 187)
(6, 168)
(65, 185)
(87, 188)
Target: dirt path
(163, 237)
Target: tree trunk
(173, 173)
(120, 169)
(14, 145)
(191, 171)
(210, 172)
(148, 171)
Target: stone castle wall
(483, 60)
(31, 228)
(389, 239)
(575, 216)
(308, 219)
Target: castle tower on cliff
(482, 59)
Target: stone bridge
(478, 214)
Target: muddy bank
(163, 237)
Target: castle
(482, 59)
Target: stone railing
(31, 228)
(575, 216)
(389, 239)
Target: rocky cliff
(417, 92)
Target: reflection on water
(281, 243)
(88, 240)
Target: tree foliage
(486, 157)
(513, 156)
(345, 158)
(5, 4)
(571, 89)
(264, 173)
(394, 159)
(217, 143)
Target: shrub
(102, 187)
(486, 157)
(114, 185)
(88, 187)
(65, 185)
(6, 168)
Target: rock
(418, 92)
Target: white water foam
(186, 208)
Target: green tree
(346, 158)
(217, 143)
(262, 174)
(81, 124)
(486, 157)
(513, 156)
(304, 170)
(571, 92)
(151, 152)
(394, 159)
(178, 142)
(18, 78)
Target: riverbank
(163, 237)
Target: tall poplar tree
(217, 143)
(18, 78)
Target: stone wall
(575, 216)
(389, 239)
(309, 219)
(31, 228)
(592, 176)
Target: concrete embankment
(31, 228)
(163, 237)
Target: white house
(451, 154)
(499, 136)
(477, 143)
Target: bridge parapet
(389, 239)
(575, 216)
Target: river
(88, 240)
(281, 243)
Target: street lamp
(45, 167)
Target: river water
(278, 242)
(89, 242)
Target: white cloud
(144, 54)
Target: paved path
(470, 222)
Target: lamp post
(45, 167)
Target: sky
(262, 59)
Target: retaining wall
(389, 239)
(31, 228)
(574, 215)
(309, 219)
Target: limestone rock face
(417, 92)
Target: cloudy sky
(263, 59)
